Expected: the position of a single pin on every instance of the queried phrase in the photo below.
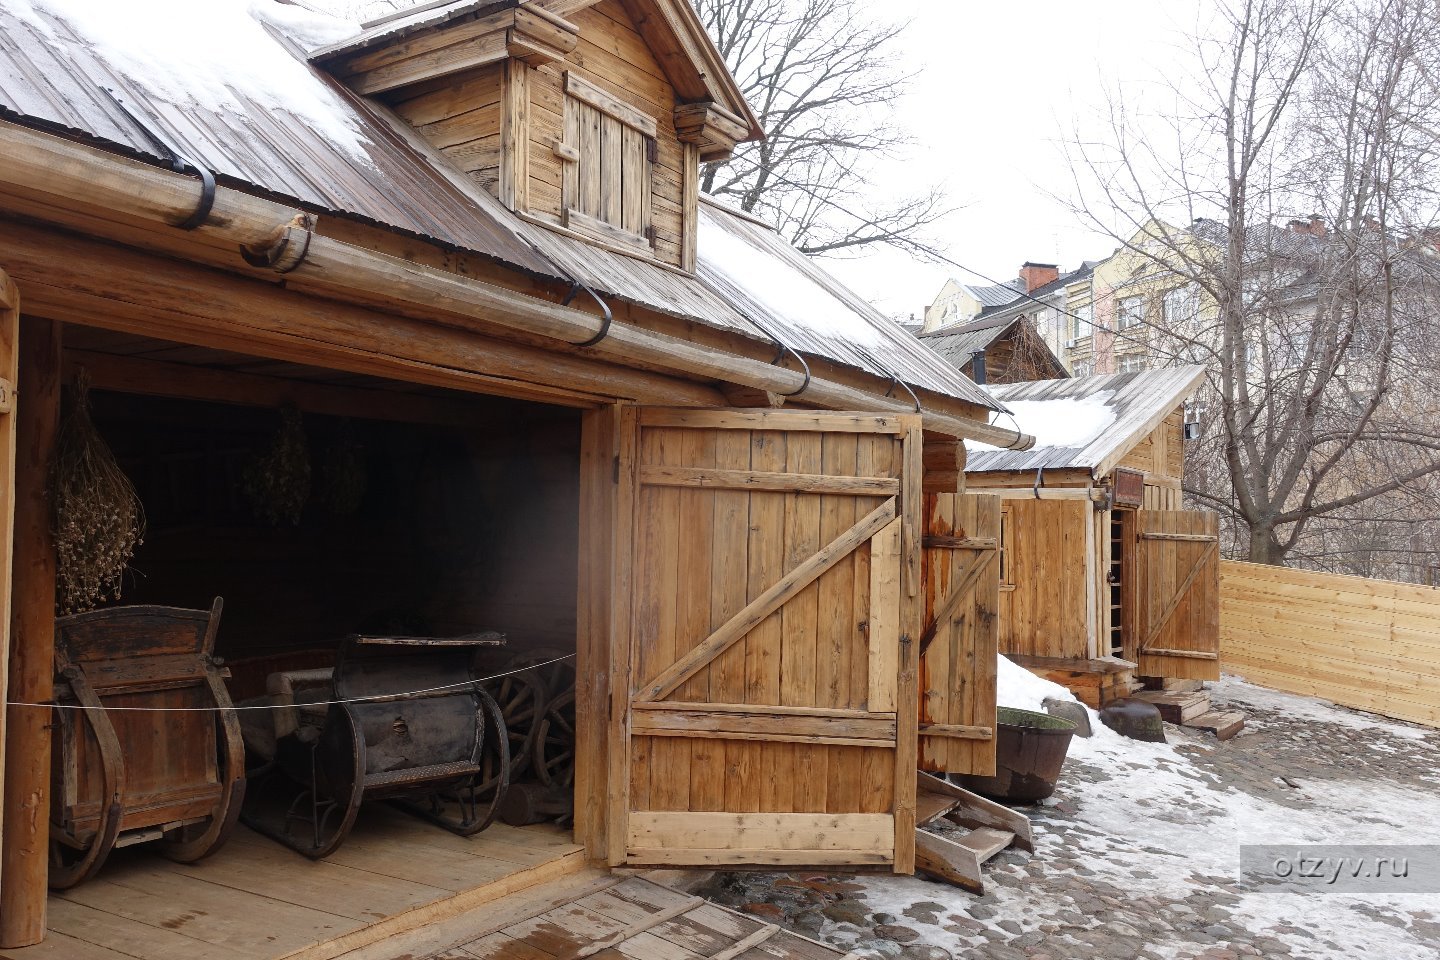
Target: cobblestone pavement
(1136, 854)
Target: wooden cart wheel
(521, 699)
(555, 743)
(555, 667)
(481, 799)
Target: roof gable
(453, 35)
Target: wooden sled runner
(175, 776)
(417, 730)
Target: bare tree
(821, 77)
(1317, 333)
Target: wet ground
(1138, 853)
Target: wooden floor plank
(129, 937)
(58, 946)
(275, 871)
(153, 894)
(497, 946)
(647, 946)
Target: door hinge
(652, 150)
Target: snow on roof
(241, 59)
(1084, 422)
(1065, 422)
(809, 310)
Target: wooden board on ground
(633, 918)
(1223, 723)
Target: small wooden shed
(1104, 577)
(595, 413)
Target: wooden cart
(407, 721)
(147, 743)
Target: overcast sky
(1000, 85)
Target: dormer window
(593, 124)
(609, 151)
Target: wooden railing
(1370, 644)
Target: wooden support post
(9, 373)
(24, 858)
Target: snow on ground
(1137, 854)
(1311, 708)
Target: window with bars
(611, 152)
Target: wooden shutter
(1172, 587)
(772, 705)
(961, 638)
(607, 188)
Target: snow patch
(216, 54)
(1019, 688)
(1061, 422)
(783, 289)
(1296, 706)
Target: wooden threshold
(258, 900)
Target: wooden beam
(124, 289)
(346, 272)
(184, 381)
(767, 603)
(9, 372)
(948, 861)
(758, 724)
(1074, 665)
(956, 731)
(716, 479)
(25, 857)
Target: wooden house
(1001, 350)
(1104, 577)
(544, 389)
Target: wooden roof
(1135, 403)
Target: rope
(292, 706)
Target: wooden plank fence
(1369, 644)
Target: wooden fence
(1370, 644)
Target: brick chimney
(1315, 226)
(1038, 274)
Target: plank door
(1172, 587)
(772, 707)
(961, 637)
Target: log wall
(1369, 644)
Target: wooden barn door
(1172, 587)
(772, 709)
(961, 636)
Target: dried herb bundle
(277, 483)
(98, 520)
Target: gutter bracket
(609, 317)
(1039, 482)
(283, 254)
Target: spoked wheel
(555, 743)
(521, 699)
(481, 797)
(309, 798)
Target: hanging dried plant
(343, 477)
(277, 483)
(97, 518)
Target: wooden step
(931, 806)
(1176, 706)
(1223, 723)
(987, 841)
(973, 810)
